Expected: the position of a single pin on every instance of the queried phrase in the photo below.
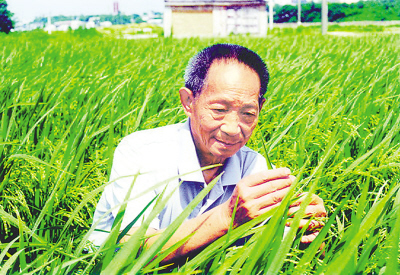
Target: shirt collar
(187, 156)
(188, 161)
(232, 174)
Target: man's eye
(249, 114)
(219, 110)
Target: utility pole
(324, 17)
(49, 24)
(271, 14)
(298, 12)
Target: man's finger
(272, 186)
(311, 211)
(311, 225)
(309, 238)
(314, 200)
(272, 198)
(315, 208)
(267, 175)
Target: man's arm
(207, 228)
(256, 194)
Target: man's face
(226, 111)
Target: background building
(214, 17)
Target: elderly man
(222, 97)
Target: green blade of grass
(10, 263)
(340, 262)
(162, 240)
(114, 234)
(392, 266)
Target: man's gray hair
(197, 69)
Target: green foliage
(85, 33)
(6, 24)
(374, 11)
(331, 115)
(359, 29)
(339, 12)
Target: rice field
(331, 115)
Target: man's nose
(230, 125)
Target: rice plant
(331, 115)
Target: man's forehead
(223, 65)
(230, 75)
(228, 61)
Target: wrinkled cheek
(206, 119)
(208, 125)
(204, 139)
(247, 133)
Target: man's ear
(262, 103)
(187, 100)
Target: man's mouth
(226, 143)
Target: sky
(26, 10)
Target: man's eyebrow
(221, 101)
(229, 102)
(250, 106)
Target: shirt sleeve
(126, 165)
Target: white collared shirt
(159, 155)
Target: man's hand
(150, 231)
(315, 209)
(261, 192)
(257, 194)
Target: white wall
(167, 21)
(227, 20)
(263, 21)
(219, 19)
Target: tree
(286, 13)
(6, 24)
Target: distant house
(93, 22)
(184, 18)
(28, 26)
(153, 18)
(105, 24)
(69, 24)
